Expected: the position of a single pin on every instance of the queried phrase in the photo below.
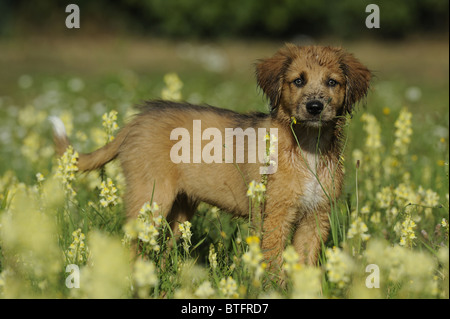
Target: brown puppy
(313, 86)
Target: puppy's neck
(313, 139)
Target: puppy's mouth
(313, 122)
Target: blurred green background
(229, 18)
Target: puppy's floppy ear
(270, 72)
(358, 80)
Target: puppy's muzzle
(314, 107)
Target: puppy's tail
(90, 161)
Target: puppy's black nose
(314, 107)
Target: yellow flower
(358, 229)
(186, 234)
(256, 191)
(384, 197)
(108, 193)
(205, 290)
(67, 165)
(373, 129)
(144, 274)
(431, 199)
(146, 227)
(403, 132)
(77, 252)
(404, 194)
(291, 260)
(253, 259)
(40, 178)
(110, 124)
(212, 257)
(107, 276)
(172, 91)
(376, 218)
(407, 232)
(67, 118)
(293, 120)
(365, 209)
(339, 266)
(228, 287)
(306, 282)
(252, 240)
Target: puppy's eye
(299, 82)
(332, 83)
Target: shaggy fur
(315, 85)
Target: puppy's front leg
(277, 226)
(312, 230)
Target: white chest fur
(316, 184)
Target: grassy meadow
(389, 236)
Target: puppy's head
(314, 84)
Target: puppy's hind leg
(139, 193)
(183, 209)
